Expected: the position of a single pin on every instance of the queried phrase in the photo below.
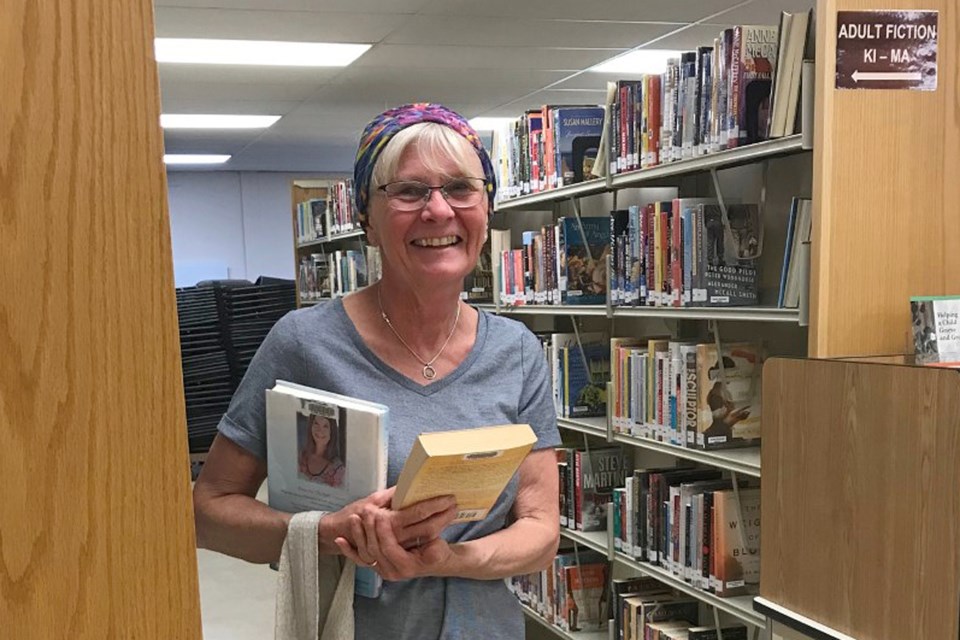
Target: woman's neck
(424, 318)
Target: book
(324, 451)
(710, 633)
(736, 561)
(936, 329)
(728, 406)
(728, 263)
(600, 470)
(472, 464)
(577, 132)
(587, 243)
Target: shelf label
(887, 50)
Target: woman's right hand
(414, 525)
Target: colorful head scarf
(381, 130)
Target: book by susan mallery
(325, 451)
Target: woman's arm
(228, 516)
(230, 519)
(527, 545)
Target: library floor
(236, 597)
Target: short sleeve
(278, 358)
(536, 396)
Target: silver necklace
(428, 371)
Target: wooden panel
(861, 514)
(96, 525)
(886, 195)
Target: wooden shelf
(554, 310)
(744, 461)
(330, 239)
(738, 606)
(560, 633)
(720, 160)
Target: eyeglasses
(411, 195)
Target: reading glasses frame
(406, 205)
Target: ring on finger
(374, 563)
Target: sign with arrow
(887, 50)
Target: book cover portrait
(321, 443)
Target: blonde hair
(434, 141)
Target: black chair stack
(222, 324)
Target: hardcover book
(587, 245)
(325, 451)
(729, 274)
(728, 408)
(577, 133)
(737, 551)
(601, 471)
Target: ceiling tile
(404, 56)
(294, 26)
(174, 73)
(766, 12)
(312, 6)
(619, 10)
(227, 93)
(511, 32)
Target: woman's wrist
(327, 532)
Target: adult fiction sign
(887, 50)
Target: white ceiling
(480, 57)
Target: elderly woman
(424, 187)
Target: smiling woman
(423, 187)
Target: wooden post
(96, 526)
(886, 194)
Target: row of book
(692, 523)
(325, 218)
(687, 393)
(575, 595)
(685, 252)
(742, 89)
(579, 371)
(335, 274)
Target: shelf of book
(743, 461)
(329, 239)
(726, 159)
(538, 200)
(560, 633)
(596, 540)
(590, 426)
(734, 314)
(738, 606)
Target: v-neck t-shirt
(503, 379)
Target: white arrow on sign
(869, 76)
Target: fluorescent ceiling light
(257, 52)
(193, 158)
(212, 121)
(489, 123)
(652, 61)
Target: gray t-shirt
(504, 379)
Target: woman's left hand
(390, 559)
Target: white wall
(235, 224)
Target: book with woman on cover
(324, 451)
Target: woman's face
(408, 239)
(320, 429)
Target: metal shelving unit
(596, 540)
(734, 314)
(538, 200)
(719, 160)
(738, 606)
(329, 239)
(726, 159)
(560, 633)
(590, 426)
(742, 461)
